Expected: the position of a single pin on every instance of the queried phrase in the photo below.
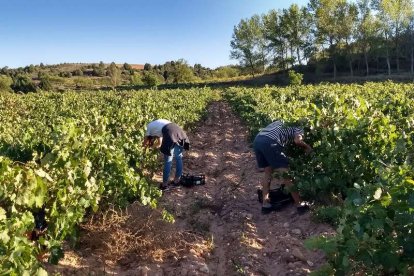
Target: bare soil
(218, 229)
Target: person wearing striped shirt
(269, 147)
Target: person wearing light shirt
(171, 140)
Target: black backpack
(279, 197)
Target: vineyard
(64, 156)
(362, 168)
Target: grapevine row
(64, 155)
(362, 169)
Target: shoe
(266, 210)
(163, 187)
(174, 184)
(302, 208)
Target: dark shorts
(268, 153)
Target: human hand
(147, 142)
(155, 143)
(309, 151)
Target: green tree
(202, 72)
(5, 71)
(182, 73)
(333, 24)
(45, 83)
(5, 83)
(23, 83)
(323, 31)
(396, 15)
(147, 67)
(411, 43)
(127, 67)
(77, 72)
(368, 30)
(100, 70)
(82, 82)
(150, 78)
(65, 74)
(276, 38)
(115, 74)
(167, 71)
(136, 79)
(296, 25)
(30, 69)
(249, 44)
(226, 72)
(326, 26)
(348, 16)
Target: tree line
(361, 37)
(32, 78)
(179, 71)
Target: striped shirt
(281, 134)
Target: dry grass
(138, 234)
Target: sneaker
(266, 210)
(302, 208)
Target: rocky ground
(219, 228)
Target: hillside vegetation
(70, 76)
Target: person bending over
(269, 147)
(171, 140)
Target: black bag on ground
(188, 180)
(186, 146)
(279, 197)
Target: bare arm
(157, 142)
(151, 141)
(299, 142)
(146, 143)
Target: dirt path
(238, 239)
(245, 241)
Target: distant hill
(134, 66)
(69, 67)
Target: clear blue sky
(133, 31)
